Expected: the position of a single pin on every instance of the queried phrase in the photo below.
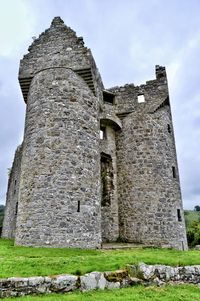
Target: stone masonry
(156, 275)
(95, 165)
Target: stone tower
(95, 165)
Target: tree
(197, 208)
(2, 208)
(193, 234)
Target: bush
(193, 234)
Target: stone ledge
(133, 275)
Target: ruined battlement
(95, 165)
(145, 97)
(59, 47)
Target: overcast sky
(127, 38)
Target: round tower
(59, 193)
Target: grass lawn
(27, 261)
(138, 293)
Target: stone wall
(12, 197)
(155, 92)
(60, 175)
(160, 274)
(149, 196)
(133, 275)
(150, 207)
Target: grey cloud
(12, 118)
(186, 96)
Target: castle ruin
(96, 165)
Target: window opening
(141, 98)
(179, 215)
(79, 205)
(174, 172)
(169, 128)
(108, 97)
(103, 133)
(16, 208)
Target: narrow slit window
(16, 208)
(15, 182)
(174, 172)
(169, 128)
(141, 98)
(79, 206)
(179, 215)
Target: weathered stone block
(64, 283)
(92, 281)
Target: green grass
(138, 293)
(27, 261)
